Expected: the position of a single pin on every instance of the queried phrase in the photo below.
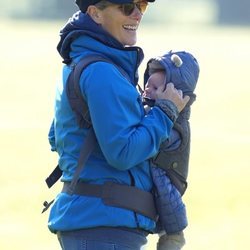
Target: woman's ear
(95, 14)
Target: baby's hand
(172, 94)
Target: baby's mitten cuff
(169, 108)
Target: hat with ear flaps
(181, 68)
(84, 4)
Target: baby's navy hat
(182, 69)
(84, 4)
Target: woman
(126, 137)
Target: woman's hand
(172, 94)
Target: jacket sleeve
(125, 134)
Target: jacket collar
(82, 36)
(80, 25)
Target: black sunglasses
(128, 8)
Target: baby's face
(156, 80)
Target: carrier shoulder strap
(74, 94)
(73, 90)
(79, 105)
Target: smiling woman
(120, 20)
(110, 205)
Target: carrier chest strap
(117, 195)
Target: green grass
(217, 199)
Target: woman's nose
(136, 14)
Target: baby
(170, 166)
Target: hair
(103, 4)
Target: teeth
(130, 27)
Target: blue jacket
(126, 137)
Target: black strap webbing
(54, 176)
(86, 149)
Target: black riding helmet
(84, 4)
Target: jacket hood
(181, 68)
(82, 24)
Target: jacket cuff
(169, 108)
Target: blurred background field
(217, 199)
